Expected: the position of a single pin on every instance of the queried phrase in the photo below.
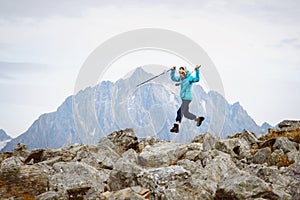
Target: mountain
(3, 135)
(149, 109)
(4, 138)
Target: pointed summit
(3, 135)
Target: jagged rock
(22, 181)
(276, 157)
(238, 167)
(75, 177)
(289, 124)
(123, 140)
(184, 191)
(134, 193)
(106, 154)
(11, 165)
(287, 128)
(124, 173)
(5, 155)
(262, 156)
(293, 171)
(161, 154)
(216, 166)
(244, 186)
(236, 147)
(208, 140)
(249, 137)
(147, 141)
(51, 195)
(20, 150)
(98, 157)
(281, 184)
(158, 180)
(294, 156)
(194, 167)
(193, 150)
(285, 144)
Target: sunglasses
(181, 68)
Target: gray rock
(101, 157)
(161, 154)
(285, 144)
(20, 150)
(75, 177)
(209, 141)
(243, 186)
(262, 156)
(147, 141)
(289, 124)
(236, 147)
(123, 140)
(51, 195)
(194, 167)
(134, 193)
(193, 150)
(160, 179)
(249, 137)
(125, 170)
(216, 167)
(276, 157)
(280, 183)
(11, 165)
(294, 156)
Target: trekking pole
(153, 77)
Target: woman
(186, 82)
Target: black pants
(184, 110)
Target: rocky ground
(121, 167)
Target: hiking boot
(199, 120)
(175, 128)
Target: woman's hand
(197, 67)
(173, 68)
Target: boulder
(159, 180)
(75, 178)
(262, 156)
(123, 140)
(21, 181)
(285, 144)
(236, 147)
(148, 141)
(281, 183)
(20, 150)
(161, 154)
(193, 150)
(11, 165)
(244, 186)
(125, 170)
(50, 195)
(100, 157)
(249, 137)
(134, 193)
(208, 140)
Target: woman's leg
(185, 110)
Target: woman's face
(181, 72)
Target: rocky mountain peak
(3, 135)
(119, 166)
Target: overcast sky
(255, 46)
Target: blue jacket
(185, 83)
